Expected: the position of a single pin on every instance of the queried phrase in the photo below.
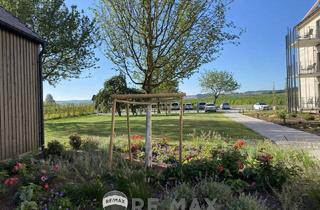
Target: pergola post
(181, 130)
(148, 146)
(129, 130)
(113, 120)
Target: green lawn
(195, 125)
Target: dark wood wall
(20, 106)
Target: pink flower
(56, 168)
(11, 181)
(18, 166)
(44, 178)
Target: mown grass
(195, 126)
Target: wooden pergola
(143, 99)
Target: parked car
(261, 106)
(175, 106)
(188, 107)
(225, 106)
(202, 105)
(210, 108)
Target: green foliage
(69, 47)
(267, 174)
(153, 48)
(218, 82)
(86, 195)
(55, 148)
(49, 100)
(244, 202)
(61, 203)
(282, 114)
(75, 141)
(220, 192)
(26, 195)
(90, 144)
(309, 117)
(244, 99)
(56, 111)
(114, 85)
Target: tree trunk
(148, 143)
(158, 106)
(119, 111)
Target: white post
(148, 142)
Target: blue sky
(256, 63)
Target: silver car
(210, 108)
(202, 105)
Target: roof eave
(22, 33)
(308, 18)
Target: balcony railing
(310, 69)
(309, 33)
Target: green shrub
(214, 190)
(246, 203)
(282, 115)
(191, 172)
(309, 117)
(183, 191)
(75, 141)
(55, 148)
(90, 144)
(266, 173)
(293, 115)
(84, 194)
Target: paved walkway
(279, 134)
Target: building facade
(21, 120)
(303, 63)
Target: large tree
(154, 41)
(49, 100)
(69, 36)
(115, 85)
(216, 83)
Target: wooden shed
(21, 118)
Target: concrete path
(279, 134)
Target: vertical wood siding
(20, 103)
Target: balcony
(307, 37)
(312, 70)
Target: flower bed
(234, 173)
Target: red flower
(11, 181)
(18, 166)
(239, 144)
(220, 168)
(46, 187)
(136, 138)
(188, 158)
(240, 165)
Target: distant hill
(74, 102)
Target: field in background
(204, 126)
(58, 111)
(279, 99)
